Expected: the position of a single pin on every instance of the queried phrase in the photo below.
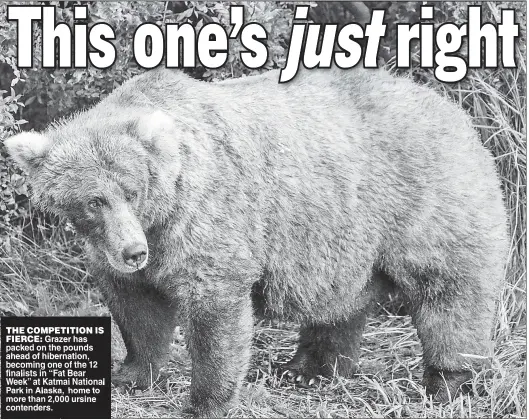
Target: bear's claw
(300, 373)
(300, 380)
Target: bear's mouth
(118, 264)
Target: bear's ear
(156, 128)
(28, 149)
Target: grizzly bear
(217, 202)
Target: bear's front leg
(146, 319)
(219, 339)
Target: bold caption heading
(181, 45)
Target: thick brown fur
(307, 197)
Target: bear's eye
(95, 203)
(131, 196)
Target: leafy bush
(11, 181)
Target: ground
(388, 385)
(47, 277)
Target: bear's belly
(304, 294)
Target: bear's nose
(135, 254)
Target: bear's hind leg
(454, 320)
(325, 349)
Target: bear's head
(95, 169)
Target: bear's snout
(134, 254)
